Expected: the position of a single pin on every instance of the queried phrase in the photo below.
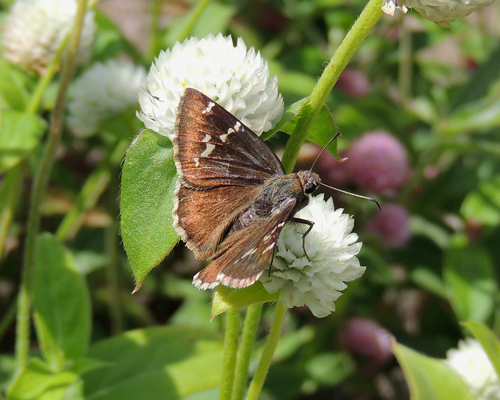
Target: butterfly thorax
(278, 193)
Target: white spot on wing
(206, 138)
(196, 161)
(269, 248)
(208, 150)
(224, 137)
(209, 107)
(249, 253)
(237, 126)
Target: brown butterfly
(233, 196)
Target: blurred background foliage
(432, 263)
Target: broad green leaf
(148, 184)
(429, 378)
(12, 86)
(155, 363)
(37, 381)
(483, 205)
(19, 134)
(321, 132)
(226, 299)
(61, 303)
(470, 283)
(488, 340)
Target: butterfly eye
(309, 188)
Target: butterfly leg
(306, 222)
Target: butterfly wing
(245, 253)
(221, 164)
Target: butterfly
(233, 196)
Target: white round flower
(35, 29)
(101, 92)
(235, 78)
(331, 247)
(471, 362)
(438, 11)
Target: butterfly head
(309, 180)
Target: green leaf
(483, 205)
(321, 132)
(61, 303)
(12, 86)
(37, 381)
(488, 340)
(226, 299)
(289, 114)
(470, 283)
(148, 184)
(429, 378)
(155, 363)
(19, 134)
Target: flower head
(442, 11)
(35, 30)
(391, 224)
(378, 162)
(235, 78)
(101, 92)
(471, 362)
(368, 342)
(438, 11)
(331, 247)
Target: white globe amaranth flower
(235, 78)
(438, 11)
(34, 30)
(331, 247)
(102, 92)
(471, 362)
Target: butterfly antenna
(353, 194)
(324, 148)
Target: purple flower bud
(368, 342)
(354, 83)
(391, 225)
(378, 162)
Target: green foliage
(429, 378)
(20, 134)
(148, 184)
(155, 363)
(61, 303)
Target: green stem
(405, 65)
(312, 106)
(250, 326)
(8, 201)
(194, 16)
(154, 36)
(38, 190)
(93, 188)
(230, 351)
(267, 354)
